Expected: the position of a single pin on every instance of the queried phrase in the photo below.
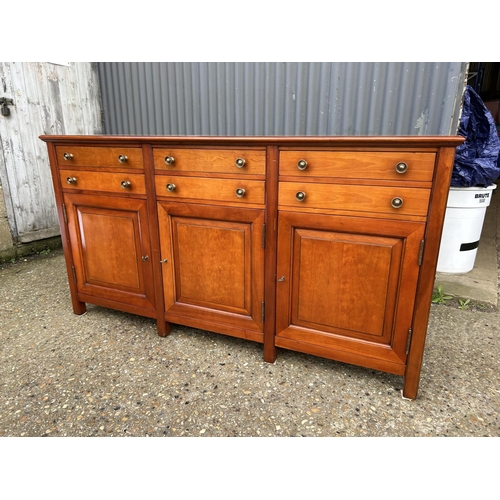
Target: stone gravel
(107, 373)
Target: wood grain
(102, 182)
(213, 262)
(359, 165)
(347, 283)
(109, 238)
(372, 199)
(212, 189)
(340, 274)
(428, 272)
(211, 160)
(84, 156)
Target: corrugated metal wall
(154, 98)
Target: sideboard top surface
(324, 141)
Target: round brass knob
(122, 158)
(169, 160)
(240, 192)
(401, 168)
(397, 202)
(71, 180)
(302, 164)
(300, 196)
(171, 187)
(240, 162)
(67, 156)
(126, 184)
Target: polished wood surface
(359, 165)
(83, 156)
(211, 189)
(213, 264)
(110, 246)
(372, 199)
(342, 285)
(409, 143)
(270, 255)
(163, 327)
(434, 228)
(102, 181)
(211, 160)
(342, 274)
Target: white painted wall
(49, 98)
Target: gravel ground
(107, 373)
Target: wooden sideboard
(323, 245)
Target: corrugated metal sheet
(281, 98)
(49, 98)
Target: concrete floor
(107, 373)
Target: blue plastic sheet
(477, 160)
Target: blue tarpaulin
(477, 160)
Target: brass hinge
(408, 341)
(263, 311)
(263, 236)
(74, 273)
(65, 214)
(421, 252)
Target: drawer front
(211, 189)
(228, 161)
(103, 181)
(396, 200)
(392, 166)
(86, 156)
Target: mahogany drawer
(102, 181)
(394, 166)
(376, 199)
(229, 161)
(87, 156)
(211, 189)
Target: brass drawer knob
(302, 164)
(397, 202)
(171, 187)
(300, 196)
(240, 192)
(71, 180)
(68, 156)
(401, 168)
(169, 160)
(126, 184)
(122, 158)
(240, 162)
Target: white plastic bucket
(462, 228)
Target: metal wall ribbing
(281, 98)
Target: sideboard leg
(163, 328)
(410, 384)
(79, 307)
(270, 353)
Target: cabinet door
(213, 267)
(346, 287)
(110, 246)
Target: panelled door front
(346, 286)
(213, 262)
(111, 248)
